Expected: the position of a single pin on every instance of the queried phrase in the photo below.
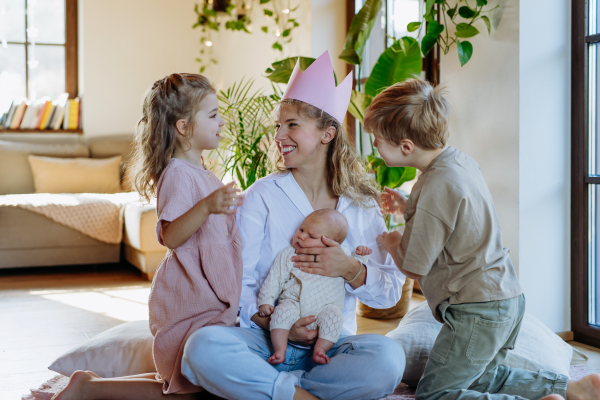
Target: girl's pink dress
(198, 283)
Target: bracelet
(357, 274)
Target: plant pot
(397, 311)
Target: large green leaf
(395, 65)
(358, 104)
(281, 71)
(359, 32)
(466, 31)
(391, 177)
(465, 51)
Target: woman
(317, 169)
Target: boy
(452, 244)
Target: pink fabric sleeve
(174, 197)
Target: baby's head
(329, 223)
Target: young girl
(199, 281)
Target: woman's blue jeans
(231, 363)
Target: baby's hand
(224, 200)
(363, 250)
(393, 202)
(390, 241)
(265, 310)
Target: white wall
(484, 122)
(328, 32)
(511, 113)
(544, 159)
(127, 45)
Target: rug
(403, 392)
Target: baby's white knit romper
(302, 294)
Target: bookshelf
(42, 131)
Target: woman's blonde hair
(346, 172)
(175, 97)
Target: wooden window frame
(71, 46)
(581, 180)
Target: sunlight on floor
(125, 304)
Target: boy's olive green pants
(465, 360)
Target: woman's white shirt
(274, 208)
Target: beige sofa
(29, 239)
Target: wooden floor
(47, 311)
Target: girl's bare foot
(277, 358)
(319, 357)
(587, 388)
(553, 397)
(75, 388)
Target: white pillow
(537, 347)
(123, 350)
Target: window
(38, 49)
(585, 173)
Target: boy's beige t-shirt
(453, 237)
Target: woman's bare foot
(75, 388)
(277, 358)
(553, 397)
(587, 388)
(319, 357)
(95, 375)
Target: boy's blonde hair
(413, 110)
(346, 172)
(174, 97)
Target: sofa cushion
(75, 175)
(15, 173)
(118, 146)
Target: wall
(484, 123)
(544, 159)
(328, 32)
(511, 114)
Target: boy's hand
(363, 250)
(265, 310)
(390, 241)
(224, 200)
(393, 202)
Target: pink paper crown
(316, 86)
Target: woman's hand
(329, 261)
(393, 202)
(224, 200)
(302, 335)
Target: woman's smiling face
(297, 137)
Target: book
(47, 114)
(26, 115)
(74, 113)
(18, 115)
(9, 113)
(42, 113)
(35, 114)
(59, 114)
(65, 124)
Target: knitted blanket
(99, 216)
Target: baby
(302, 294)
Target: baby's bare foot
(75, 387)
(587, 388)
(277, 358)
(320, 358)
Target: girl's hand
(390, 241)
(363, 250)
(265, 310)
(393, 202)
(330, 261)
(224, 200)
